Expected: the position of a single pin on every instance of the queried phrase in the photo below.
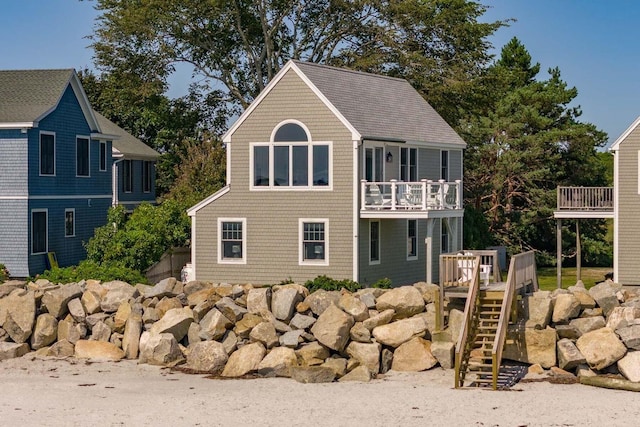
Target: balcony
(584, 202)
(395, 199)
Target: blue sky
(592, 42)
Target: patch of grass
(590, 276)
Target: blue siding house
(59, 169)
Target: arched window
(291, 159)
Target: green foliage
(4, 273)
(286, 281)
(138, 240)
(91, 270)
(384, 283)
(329, 284)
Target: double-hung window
(69, 222)
(146, 176)
(444, 236)
(374, 242)
(291, 161)
(103, 156)
(127, 176)
(47, 153)
(412, 239)
(408, 164)
(314, 241)
(82, 156)
(232, 240)
(39, 231)
(444, 165)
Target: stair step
(486, 334)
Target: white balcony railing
(422, 195)
(585, 198)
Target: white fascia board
(104, 136)
(193, 210)
(18, 125)
(616, 145)
(428, 144)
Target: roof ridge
(349, 70)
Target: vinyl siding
(13, 168)
(14, 249)
(137, 195)
(272, 217)
(429, 164)
(628, 208)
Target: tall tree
(528, 142)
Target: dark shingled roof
(380, 106)
(25, 95)
(128, 145)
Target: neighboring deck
(584, 202)
(423, 199)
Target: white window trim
(408, 148)
(373, 145)
(271, 186)
(375, 262)
(446, 178)
(88, 156)
(74, 222)
(301, 260)
(290, 121)
(409, 256)
(102, 144)
(46, 211)
(43, 132)
(242, 260)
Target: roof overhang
(616, 145)
(104, 136)
(19, 125)
(193, 210)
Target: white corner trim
(355, 212)
(193, 210)
(616, 145)
(616, 213)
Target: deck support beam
(559, 252)
(578, 252)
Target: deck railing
(585, 198)
(422, 195)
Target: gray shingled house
(336, 172)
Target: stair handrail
(469, 313)
(522, 269)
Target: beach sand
(74, 392)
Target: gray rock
(630, 336)
(601, 348)
(568, 331)
(414, 356)
(11, 350)
(202, 296)
(359, 333)
(166, 304)
(207, 356)
(565, 307)
(76, 310)
(368, 299)
(605, 295)
(586, 300)
(19, 315)
(60, 349)
(259, 300)
(312, 354)
(246, 324)
(230, 309)
(55, 301)
(629, 366)
(118, 293)
(332, 328)
(443, 351)
(379, 319)
(396, 333)
(195, 286)
(100, 332)
(244, 360)
(454, 325)
(150, 315)
(164, 288)
(278, 324)
(321, 299)
(201, 309)
(361, 374)
(131, 337)
(71, 332)
(121, 317)
(176, 322)
(300, 321)
(592, 312)
(312, 374)
(45, 331)
(537, 310)
(193, 335)
(283, 303)
(97, 350)
(338, 364)
(587, 324)
(531, 346)
(366, 354)
(386, 360)
(214, 325)
(159, 349)
(265, 333)
(353, 306)
(430, 292)
(569, 357)
(291, 339)
(278, 363)
(405, 301)
(621, 317)
(230, 342)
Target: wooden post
(578, 252)
(559, 252)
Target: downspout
(356, 210)
(114, 182)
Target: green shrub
(4, 273)
(91, 270)
(329, 284)
(384, 283)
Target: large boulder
(566, 307)
(60, 349)
(159, 349)
(601, 348)
(312, 374)
(265, 333)
(291, 339)
(629, 366)
(19, 315)
(353, 306)
(244, 360)
(90, 301)
(278, 363)
(587, 324)
(76, 310)
(283, 303)
(244, 326)
(379, 319)
(630, 336)
(366, 354)
(586, 300)
(396, 333)
(55, 301)
(569, 357)
(444, 352)
(259, 300)
(230, 309)
(207, 356)
(359, 333)
(175, 321)
(70, 331)
(321, 299)
(332, 328)
(301, 321)
(531, 346)
(359, 373)
(538, 309)
(164, 288)
(10, 350)
(621, 317)
(98, 350)
(45, 331)
(414, 355)
(131, 337)
(214, 325)
(605, 295)
(405, 301)
(312, 354)
(121, 317)
(118, 292)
